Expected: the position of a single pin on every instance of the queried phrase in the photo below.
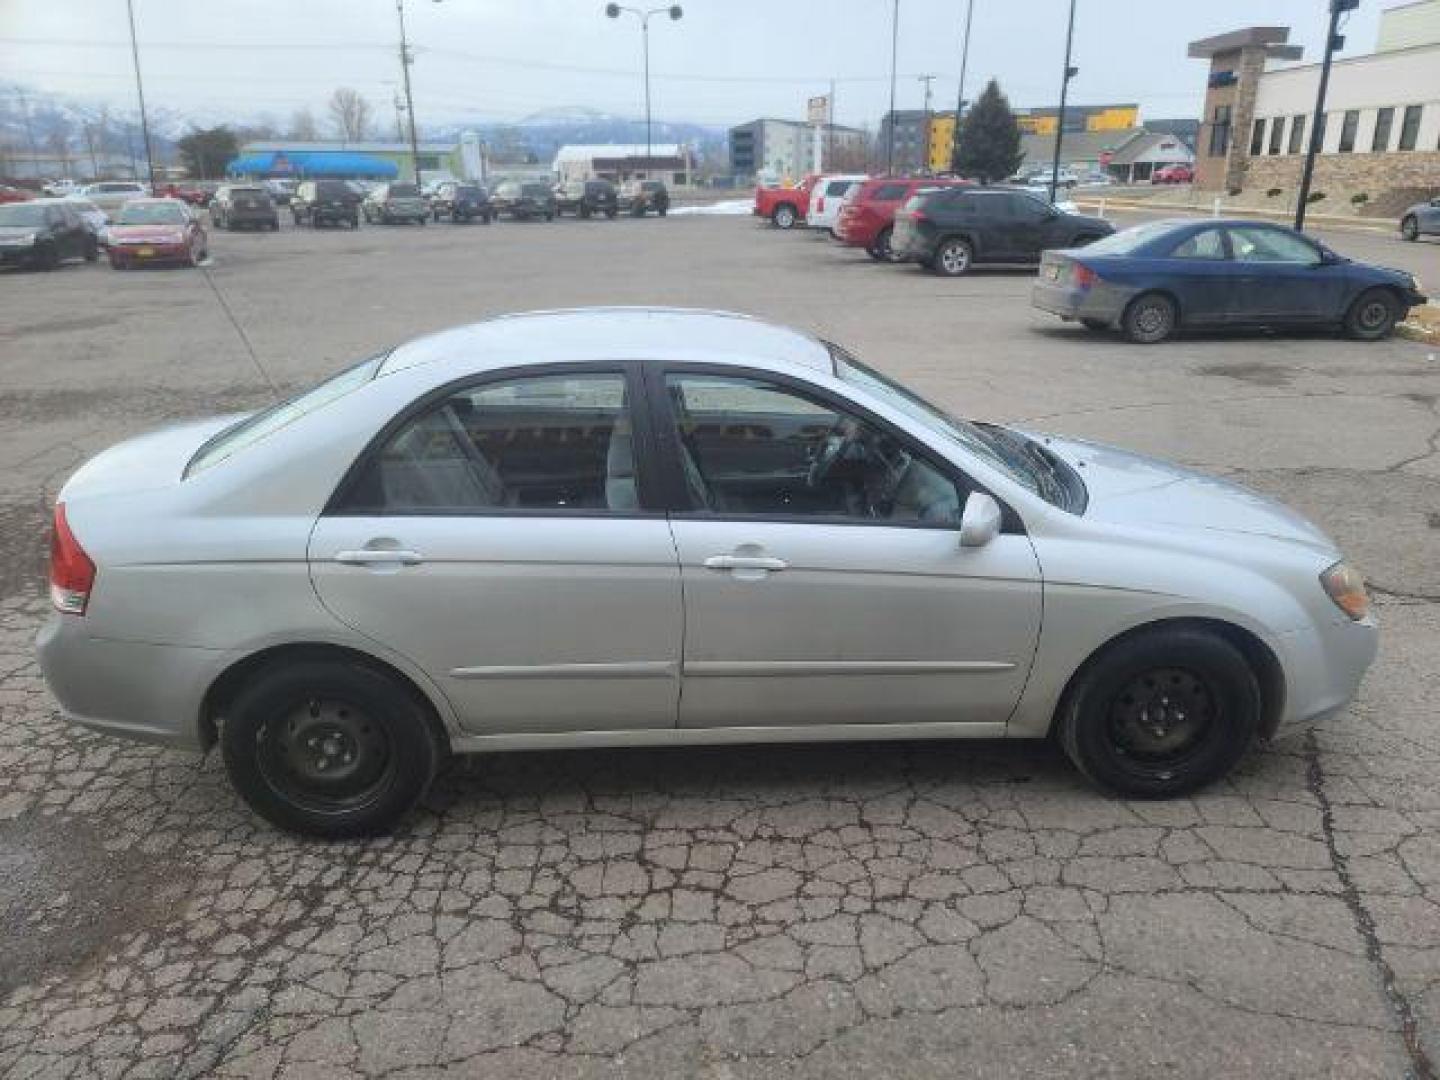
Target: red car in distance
(192, 194)
(156, 231)
(867, 219)
(10, 194)
(1179, 173)
(784, 206)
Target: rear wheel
(1410, 228)
(1372, 316)
(953, 258)
(92, 249)
(1161, 714)
(1150, 318)
(880, 249)
(329, 748)
(784, 216)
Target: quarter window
(754, 448)
(548, 443)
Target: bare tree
(350, 113)
(303, 126)
(58, 143)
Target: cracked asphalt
(920, 910)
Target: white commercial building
(624, 161)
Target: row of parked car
(1148, 282)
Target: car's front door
(1283, 277)
(823, 574)
(497, 537)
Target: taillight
(72, 574)
(1085, 277)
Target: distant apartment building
(781, 149)
(1381, 128)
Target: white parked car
(58, 189)
(110, 195)
(826, 198)
(629, 527)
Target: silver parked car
(1422, 219)
(622, 527)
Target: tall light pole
(140, 92)
(675, 12)
(925, 148)
(1070, 73)
(894, 51)
(406, 59)
(1333, 41)
(960, 100)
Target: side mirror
(980, 521)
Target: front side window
(1410, 126)
(1348, 127)
(1260, 245)
(749, 447)
(1380, 141)
(1206, 244)
(539, 444)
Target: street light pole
(927, 80)
(894, 51)
(675, 12)
(1069, 74)
(960, 98)
(1333, 41)
(140, 91)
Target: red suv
(868, 216)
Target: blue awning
(313, 163)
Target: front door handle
(745, 562)
(379, 557)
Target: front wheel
(1410, 228)
(1161, 714)
(92, 249)
(1373, 316)
(1149, 319)
(328, 748)
(784, 216)
(953, 258)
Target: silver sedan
(626, 527)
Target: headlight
(1346, 587)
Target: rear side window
(268, 421)
(547, 443)
(1206, 244)
(838, 187)
(890, 192)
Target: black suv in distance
(42, 232)
(588, 197)
(523, 201)
(320, 202)
(639, 196)
(461, 202)
(950, 230)
(240, 205)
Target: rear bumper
(1101, 302)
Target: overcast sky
(725, 62)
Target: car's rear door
(824, 581)
(498, 536)
(1199, 271)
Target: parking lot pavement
(882, 911)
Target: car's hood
(150, 461)
(157, 234)
(1131, 489)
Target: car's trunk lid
(145, 463)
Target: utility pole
(925, 148)
(1070, 73)
(894, 51)
(960, 98)
(140, 92)
(406, 59)
(830, 126)
(1333, 41)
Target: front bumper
(1323, 666)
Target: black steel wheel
(1161, 713)
(1410, 228)
(1149, 319)
(329, 748)
(1372, 316)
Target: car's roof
(614, 333)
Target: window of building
(1410, 126)
(1257, 137)
(1297, 134)
(1348, 127)
(1380, 141)
(1220, 131)
(1277, 129)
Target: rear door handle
(745, 562)
(379, 557)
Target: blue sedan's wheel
(1372, 316)
(1150, 318)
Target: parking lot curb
(1329, 221)
(1422, 324)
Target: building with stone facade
(1380, 130)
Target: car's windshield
(257, 426)
(1128, 241)
(22, 214)
(1009, 452)
(150, 214)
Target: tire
(880, 249)
(1161, 714)
(354, 221)
(551, 216)
(585, 212)
(1410, 228)
(953, 258)
(92, 250)
(611, 214)
(1149, 319)
(1372, 316)
(47, 258)
(1098, 325)
(784, 216)
(420, 221)
(663, 211)
(275, 224)
(295, 216)
(380, 746)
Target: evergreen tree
(989, 139)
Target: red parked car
(868, 217)
(10, 194)
(193, 194)
(784, 206)
(1178, 173)
(156, 231)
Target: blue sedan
(1153, 279)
